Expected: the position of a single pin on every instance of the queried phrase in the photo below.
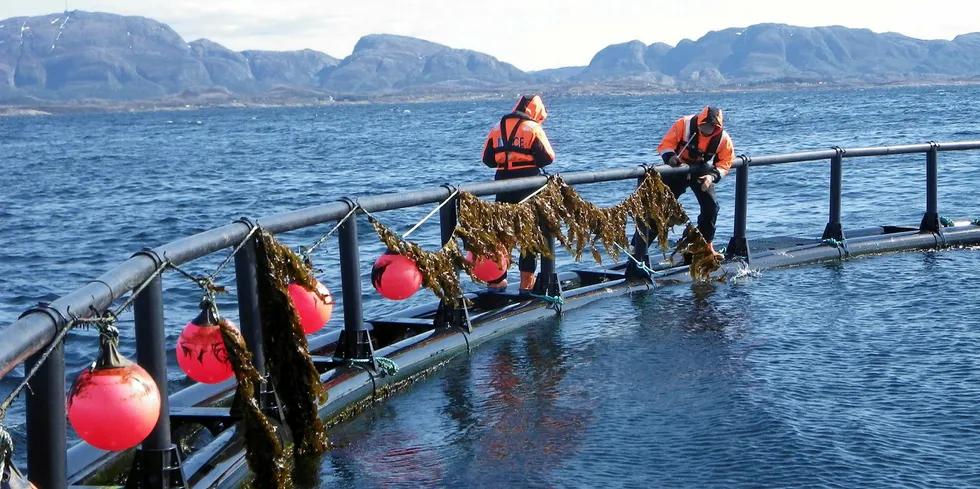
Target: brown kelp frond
(703, 260)
(654, 207)
(486, 227)
(288, 359)
(496, 229)
(263, 450)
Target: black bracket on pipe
(350, 201)
(453, 317)
(362, 344)
(153, 255)
(268, 400)
(249, 223)
(57, 317)
(156, 469)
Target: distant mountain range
(84, 56)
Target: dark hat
(713, 116)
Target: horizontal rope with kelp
(494, 229)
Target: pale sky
(531, 35)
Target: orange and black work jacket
(517, 146)
(692, 147)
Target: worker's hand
(674, 161)
(706, 182)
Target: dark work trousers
(706, 200)
(528, 262)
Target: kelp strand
(493, 229)
(703, 260)
(288, 359)
(263, 450)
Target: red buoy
(114, 404)
(201, 351)
(395, 276)
(314, 312)
(487, 270)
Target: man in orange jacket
(699, 139)
(518, 147)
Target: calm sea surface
(861, 374)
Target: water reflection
(531, 426)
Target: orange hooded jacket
(518, 146)
(684, 139)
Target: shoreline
(551, 91)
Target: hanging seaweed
(486, 227)
(438, 269)
(703, 260)
(288, 360)
(654, 207)
(492, 229)
(264, 452)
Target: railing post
(47, 425)
(738, 245)
(834, 229)
(930, 221)
(547, 281)
(157, 463)
(448, 218)
(355, 341)
(246, 283)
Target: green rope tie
(386, 365)
(946, 222)
(834, 242)
(639, 264)
(547, 298)
(841, 245)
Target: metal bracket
(247, 222)
(738, 248)
(453, 317)
(360, 349)
(151, 254)
(57, 317)
(156, 469)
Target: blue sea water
(863, 374)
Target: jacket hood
(711, 115)
(532, 106)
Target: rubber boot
(527, 283)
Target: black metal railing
(25, 340)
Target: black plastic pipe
(930, 221)
(738, 245)
(249, 313)
(151, 354)
(47, 441)
(834, 228)
(350, 276)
